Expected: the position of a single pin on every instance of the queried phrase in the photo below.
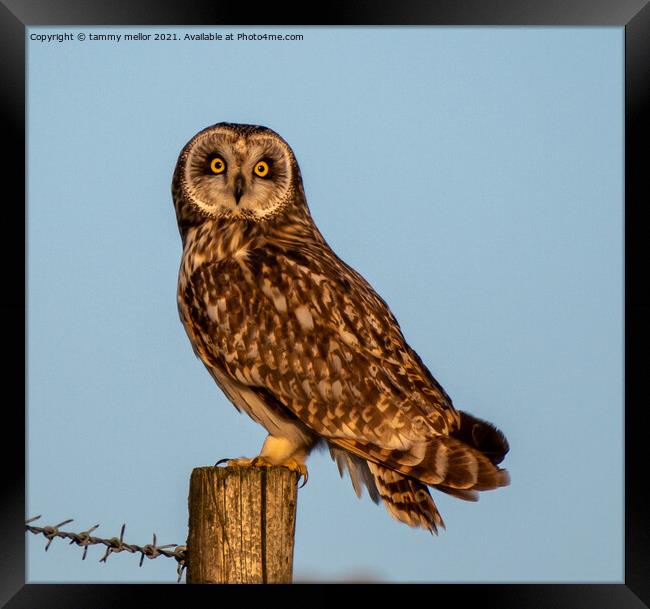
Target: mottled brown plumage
(302, 343)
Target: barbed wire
(114, 545)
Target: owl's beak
(239, 187)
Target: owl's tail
(407, 500)
(461, 464)
(482, 436)
(480, 442)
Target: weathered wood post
(242, 522)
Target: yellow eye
(217, 165)
(262, 169)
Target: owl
(301, 342)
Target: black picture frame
(634, 15)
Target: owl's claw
(246, 462)
(298, 467)
(239, 462)
(260, 461)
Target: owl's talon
(261, 462)
(298, 467)
(239, 462)
(304, 477)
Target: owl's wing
(312, 332)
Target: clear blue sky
(473, 175)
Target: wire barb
(114, 545)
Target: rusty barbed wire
(114, 545)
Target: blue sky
(473, 175)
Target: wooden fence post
(241, 525)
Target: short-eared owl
(302, 343)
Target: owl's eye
(262, 169)
(217, 165)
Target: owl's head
(238, 172)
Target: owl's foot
(298, 467)
(260, 461)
